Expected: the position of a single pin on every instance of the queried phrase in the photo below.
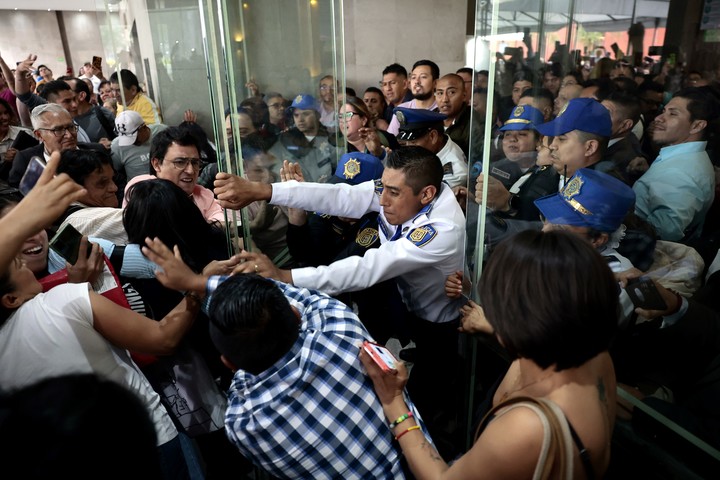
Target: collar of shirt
(679, 149)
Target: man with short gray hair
(54, 127)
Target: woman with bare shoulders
(551, 301)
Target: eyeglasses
(181, 163)
(347, 116)
(60, 132)
(326, 87)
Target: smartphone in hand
(97, 63)
(32, 175)
(644, 294)
(382, 357)
(66, 243)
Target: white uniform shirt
(454, 164)
(421, 253)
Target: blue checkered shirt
(314, 414)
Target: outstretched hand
(261, 264)
(173, 272)
(235, 192)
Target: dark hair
(349, 91)
(434, 69)
(702, 104)
(420, 166)
(358, 105)
(163, 139)
(252, 323)
(103, 83)
(467, 70)
(550, 297)
(602, 141)
(127, 78)
(554, 69)
(54, 87)
(204, 146)
(524, 74)
(576, 75)
(74, 412)
(378, 92)
(625, 84)
(538, 93)
(628, 103)
(79, 164)
(257, 109)
(6, 286)
(82, 87)
(11, 111)
(159, 208)
(395, 68)
(484, 72)
(605, 87)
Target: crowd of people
(593, 194)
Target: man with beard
(423, 81)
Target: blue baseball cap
(355, 168)
(416, 122)
(523, 117)
(590, 199)
(304, 102)
(584, 114)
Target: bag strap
(557, 447)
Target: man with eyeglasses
(54, 127)
(131, 149)
(174, 156)
(327, 108)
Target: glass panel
(547, 39)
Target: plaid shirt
(314, 414)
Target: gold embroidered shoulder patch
(422, 235)
(366, 237)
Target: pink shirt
(203, 198)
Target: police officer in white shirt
(422, 231)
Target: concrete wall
(379, 32)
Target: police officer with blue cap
(425, 128)
(593, 205)
(519, 142)
(307, 142)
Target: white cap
(127, 124)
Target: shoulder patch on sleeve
(378, 187)
(422, 235)
(366, 237)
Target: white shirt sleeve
(339, 199)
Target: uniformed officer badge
(448, 169)
(378, 187)
(562, 110)
(518, 111)
(352, 168)
(401, 118)
(298, 99)
(572, 188)
(366, 237)
(422, 235)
